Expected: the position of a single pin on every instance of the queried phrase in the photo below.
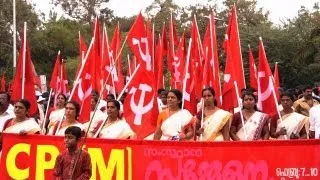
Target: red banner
(33, 157)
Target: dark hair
(307, 87)
(74, 130)
(111, 96)
(288, 94)
(7, 94)
(25, 103)
(116, 103)
(249, 93)
(64, 96)
(77, 107)
(95, 98)
(95, 92)
(209, 89)
(160, 90)
(178, 94)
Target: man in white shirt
(6, 109)
(314, 122)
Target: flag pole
(14, 36)
(153, 42)
(46, 115)
(186, 73)
(276, 102)
(241, 114)
(24, 59)
(202, 116)
(81, 69)
(129, 65)
(127, 84)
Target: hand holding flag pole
(241, 115)
(276, 101)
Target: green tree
(85, 10)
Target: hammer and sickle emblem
(139, 109)
(145, 56)
(83, 95)
(176, 65)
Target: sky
(279, 9)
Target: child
(66, 160)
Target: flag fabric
(59, 80)
(3, 84)
(211, 69)
(235, 49)
(276, 81)
(140, 106)
(229, 97)
(26, 90)
(139, 43)
(95, 58)
(115, 49)
(109, 73)
(196, 59)
(266, 101)
(178, 65)
(252, 71)
(158, 70)
(82, 52)
(188, 91)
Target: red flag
(253, 71)
(108, 70)
(95, 59)
(235, 49)
(164, 40)
(140, 106)
(158, 71)
(115, 48)
(82, 52)
(84, 86)
(59, 80)
(229, 97)
(178, 65)
(173, 40)
(266, 101)
(211, 70)
(196, 58)
(24, 89)
(188, 92)
(139, 43)
(276, 81)
(3, 84)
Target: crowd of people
(299, 118)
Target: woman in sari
(174, 123)
(291, 124)
(216, 122)
(21, 124)
(57, 113)
(255, 123)
(114, 127)
(70, 119)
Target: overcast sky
(279, 9)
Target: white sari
(29, 125)
(293, 123)
(61, 131)
(98, 116)
(174, 124)
(56, 115)
(119, 129)
(253, 126)
(213, 124)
